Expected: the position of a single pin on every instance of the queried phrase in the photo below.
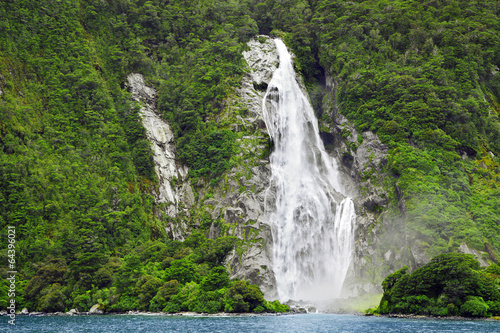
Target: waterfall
(312, 220)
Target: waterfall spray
(312, 220)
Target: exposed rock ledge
(239, 199)
(356, 164)
(245, 210)
(161, 137)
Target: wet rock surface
(239, 201)
(243, 204)
(245, 211)
(361, 157)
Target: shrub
(209, 302)
(182, 270)
(163, 295)
(83, 302)
(185, 300)
(243, 297)
(50, 273)
(441, 287)
(494, 307)
(166, 262)
(52, 299)
(474, 307)
(123, 303)
(259, 309)
(276, 306)
(216, 279)
(146, 288)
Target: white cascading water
(312, 220)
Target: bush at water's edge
(452, 284)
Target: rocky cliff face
(175, 198)
(243, 204)
(383, 243)
(360, 156)
(360, 160)
(237, 205)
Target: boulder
(464, 248)
(96, 309)
(72, 312)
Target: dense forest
(76, 170)
(422, 75)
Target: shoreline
(147, 313)
(428, 317)
(242, 314)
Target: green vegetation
(76, 171)
(451, 284)
(189, 278)
(423, 76)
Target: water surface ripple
(276, 324)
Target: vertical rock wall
(243, 205)
(361, 156)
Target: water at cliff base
(276, 324)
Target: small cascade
(312, 219)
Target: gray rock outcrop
(72, 312)
(361, 157)
(237, 205)
(95, 309)
(464, 248)
(167, 169)
(262, 60)
(242, 204)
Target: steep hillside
(77, 172)
(407, 93)
(423, 76)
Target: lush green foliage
(451, 284)
(191, 50)
(413, 68)
(76, 170)
(73, 155)
(422, 75)
(191, 281)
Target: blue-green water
(289, 323)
